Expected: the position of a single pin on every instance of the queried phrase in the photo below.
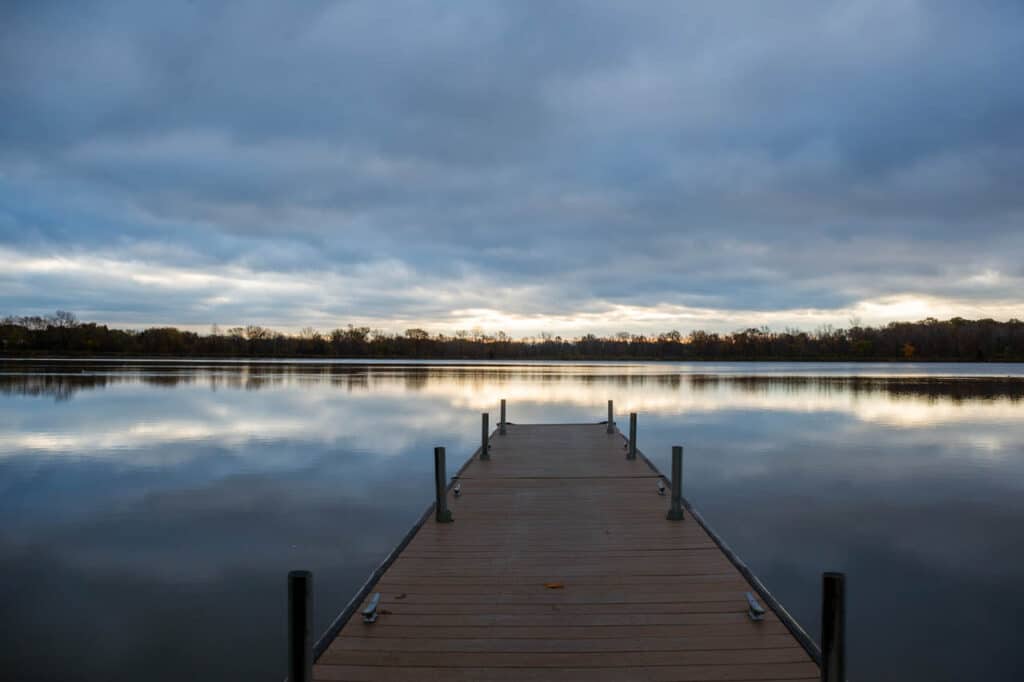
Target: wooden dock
(560, 564)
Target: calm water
(149, 512)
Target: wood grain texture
(560, 565)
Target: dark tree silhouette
(955, 340)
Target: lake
(150, 510)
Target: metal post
(611, 418)
(501, 424)
(300, 626)
(485, 433)
(632, 436)
(675, 512)
(833, 627)
(440, 486)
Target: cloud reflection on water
(306, 402)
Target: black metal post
(441, 487)
(501, 424)
(300, 626)
(611, 418)
(833, 627)
(675, 512)
(485, 434)
(632, 436)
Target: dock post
(485, 433)
(300, 626)
(675, 512)
(441, 489)
(632, 436)
(833, 627)
(611, 418)
(501, 424)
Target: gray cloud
(751, 163)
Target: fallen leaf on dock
(554, 586)
(400, 596)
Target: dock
(567, 556)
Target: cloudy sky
(521, 166)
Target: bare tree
(64, 319)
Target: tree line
(954, 340)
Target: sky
(563, 167)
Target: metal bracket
(754, 608)
(370, 612)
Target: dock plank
(560, 564)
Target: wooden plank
(580, 610)
(438, 629)
(630, 642)
(563, 619)
(779, 672)
(501, 658)
(560, 564)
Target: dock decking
(561, 565)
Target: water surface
(149, 511)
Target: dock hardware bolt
(370, 612)
(754, 608)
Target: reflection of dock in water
(567, 557)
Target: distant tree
(64, 320)
(254, 332)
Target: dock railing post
(485, 434)
(833, 627)
(675, 512)
(611, 417)
(501, 424)
(441, 488)
(300, 626)
(632, 436)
